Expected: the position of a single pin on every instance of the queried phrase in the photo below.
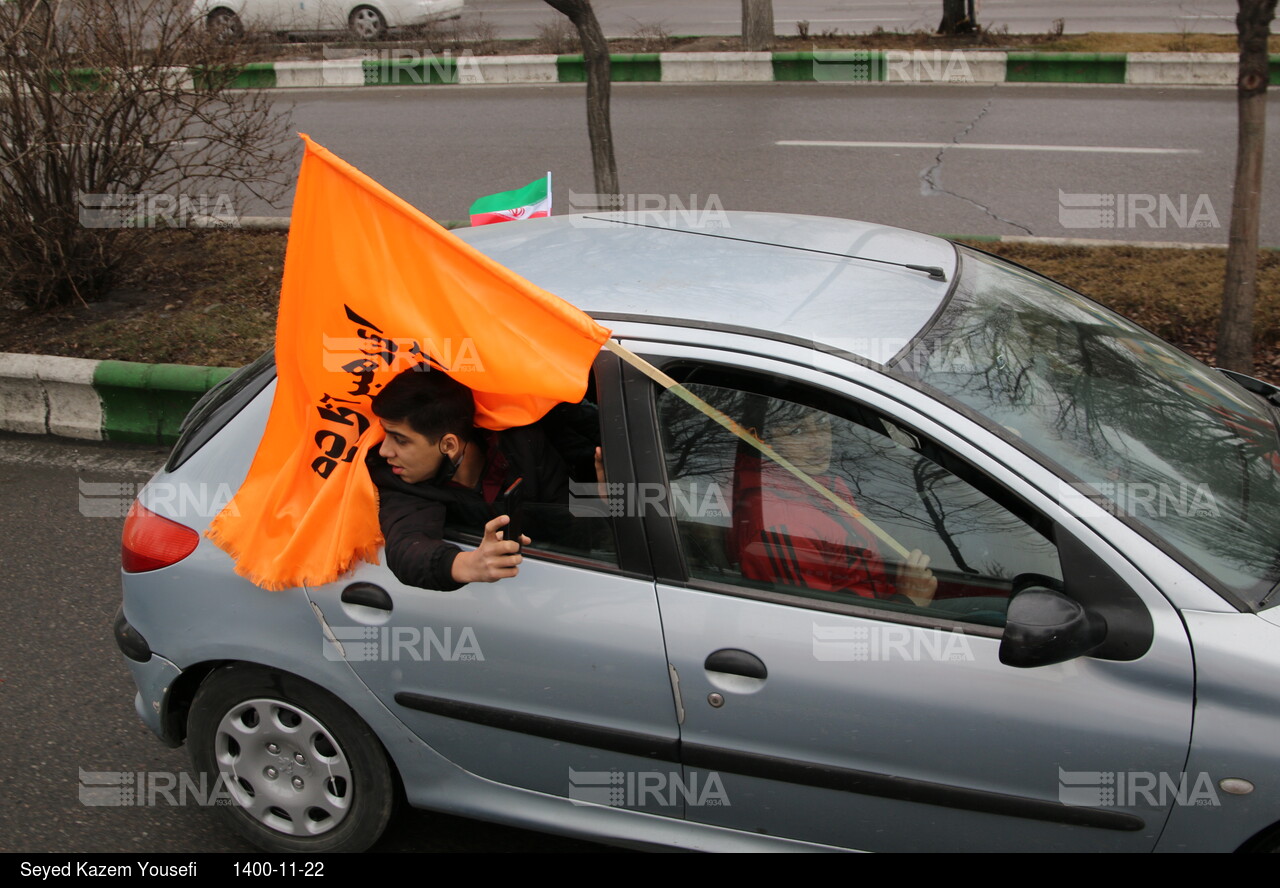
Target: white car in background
(366, 19)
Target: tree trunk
(595, 52)
(1240, 289)
(957, 17)
(757, 25)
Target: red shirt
(785, 532)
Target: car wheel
(301, 771)
(367, 23)
(225, 26)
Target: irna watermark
(881, 349)
(692, 210)
(639, 789)
(400, 66)
(369, 644)
(1135, 211)
(116, 789)
(895, 65)
(146, 209)
(367, 353)
(889, 641)
(178, 500)
(619, 500)
(1140, 499)
(1125, 789)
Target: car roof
(781, 275)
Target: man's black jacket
(413, 516)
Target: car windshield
(1142, 430)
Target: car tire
(366, 23)
(293, 768)
(225, 26)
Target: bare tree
(113, 116)
(958, 17)
(595, 53)
(757, 25)
(1240, 289)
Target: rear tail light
(151, 541)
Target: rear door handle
(367, 595)
(736, 662)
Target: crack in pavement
(931, 177)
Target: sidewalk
(822, 66)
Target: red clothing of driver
(785, 532)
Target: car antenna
(935, 272)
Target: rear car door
(555, 680)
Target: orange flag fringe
(372, 287)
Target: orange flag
(372, 287)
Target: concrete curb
(819, 66)
(100, 400)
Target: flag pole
(768, 452)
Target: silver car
(723, 658)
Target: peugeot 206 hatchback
(723, 659)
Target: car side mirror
(1043, 626)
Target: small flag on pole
(529, 202)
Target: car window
(564, 515)
(1135, 427)
(866, 500)
(218, 405)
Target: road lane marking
(839, 21)
(986, 146)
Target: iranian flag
(529, 202)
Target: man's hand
(916, 581)
(494, 559)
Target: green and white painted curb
(833, 66)
(100, 400)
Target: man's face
(412, 457)
(805, 441)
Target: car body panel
(558, 644)
(867, 309)
(155, 679)
(1235, 734)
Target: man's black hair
(431, 401)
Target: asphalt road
(622, 18)
(941, 159)
(67, 697)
